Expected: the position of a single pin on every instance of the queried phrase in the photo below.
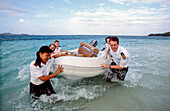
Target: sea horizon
(13, 34)
(27, 34)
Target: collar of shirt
(42, 65)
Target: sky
(85, 17)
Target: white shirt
(117, 58)
(107, 46)
(57, 50)
(37, 72)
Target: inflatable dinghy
(81, 67)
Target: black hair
(52, 44)
(43, 49)
(56, 41)
(107, 38)
(114, 38)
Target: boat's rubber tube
(80, 66)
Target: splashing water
(146, 86)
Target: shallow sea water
(146, 86)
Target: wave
(69, 95)
(72, 37)
(23, 73)
(50, 37)
(72, 95)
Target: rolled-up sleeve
(35, 74)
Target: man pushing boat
(119, 62)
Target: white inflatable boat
(80, 66)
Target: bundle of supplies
(88, 50)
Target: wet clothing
(116, 73)
(45, 88)
(38, 87)
(37, 72)
(122, 58)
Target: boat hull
(80, 66)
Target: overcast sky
(109, 17)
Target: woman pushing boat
(40, 70)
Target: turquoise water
(146, 87)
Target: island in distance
(159, 34)
(10, 34)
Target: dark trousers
(116, 73)
(37, 90)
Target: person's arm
(103, 48)
(59, 54)
(47, 77)
(116, 67)
(111, 66)
(55, 55)
(63, 50)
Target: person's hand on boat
(104, 65)
(59, 69)
(66, 53)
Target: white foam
(69, 93)
(50, 99)
(132, 79)
(23, 73)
